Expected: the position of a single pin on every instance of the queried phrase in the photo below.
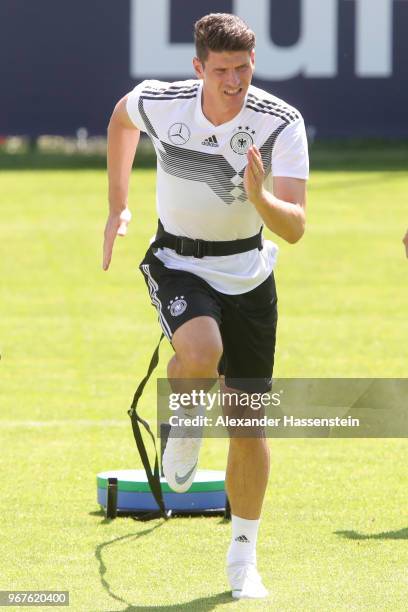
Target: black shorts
(247, 321)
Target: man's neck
(217, 116)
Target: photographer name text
(285, 421)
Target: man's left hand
(254, 175)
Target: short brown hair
(222, 32)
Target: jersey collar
(202, 120)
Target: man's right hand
(116, 225)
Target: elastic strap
(153, 476)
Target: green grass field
(75, 341)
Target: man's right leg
(189, 315)
(198, 349)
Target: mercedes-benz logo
(179, 133)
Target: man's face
(226, 77)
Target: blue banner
(64, 65)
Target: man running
(231, 158)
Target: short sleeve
(132, 106)
(290, 155)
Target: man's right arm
(123, 138)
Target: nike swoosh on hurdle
(182, 479)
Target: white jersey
(200, 169)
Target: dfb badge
(242, 141)
(177, 306)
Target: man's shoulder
(263, 101)
(165, 90)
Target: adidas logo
(211, 142)
(242, 539)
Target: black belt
(202, 248)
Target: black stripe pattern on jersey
(150, 129)
(267, 149)
(159, 97)
(170, 93)
(214, 170)
(172, 90)
(288, 115)
(163, 93)
(209, 168)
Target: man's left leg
(247, 476)
(249, 334)
(246, 481)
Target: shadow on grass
(101, 513)
(401, 534)
(145, 517)
(102, 567)
(202, 603)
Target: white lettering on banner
(374, 36)
(314, 55)
(151, 52)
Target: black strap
(202, 248)
(153, 477)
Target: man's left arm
(284, 210)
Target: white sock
(242, 549)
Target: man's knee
(200, 361)
(198, 347)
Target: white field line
(64, 423)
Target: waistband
(205, 248)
